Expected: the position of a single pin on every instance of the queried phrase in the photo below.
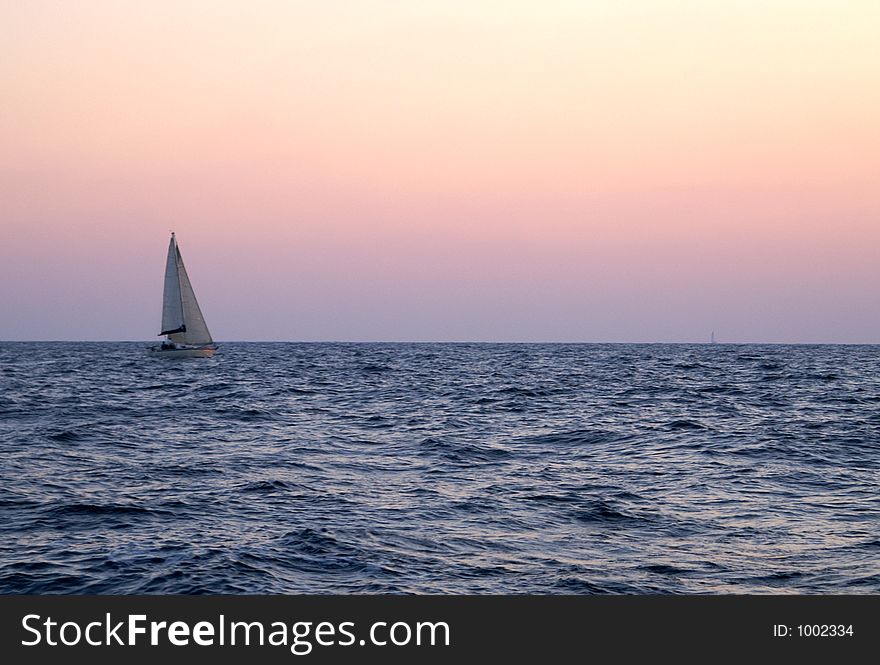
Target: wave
(461, 452)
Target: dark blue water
(440, 468)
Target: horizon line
(481, 341)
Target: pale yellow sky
(562, 156)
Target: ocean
(440, 469)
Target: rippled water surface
(440, 468)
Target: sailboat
(183, 325)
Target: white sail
(196, 328)
(182, 318)
(172, 307)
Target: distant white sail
(172, 307)
(182, 318)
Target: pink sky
(441, 170)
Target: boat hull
(195, 352)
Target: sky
(629, 171)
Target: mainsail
(182, 318)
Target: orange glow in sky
(443, 170)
